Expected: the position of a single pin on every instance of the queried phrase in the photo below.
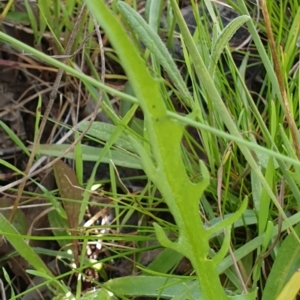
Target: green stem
(170, 176)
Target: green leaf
(155, 14)
(14, 138)
(102, 294)
(156, 46)
(103, 131)
(263, 160)
(220, 107)
(291, 289)
(19, 221)
(151, 286)
(90, 153)
(54, 202)
(166, 260)
(165, 137)
(223, 40)
(287, 262)
(22, 247)
(17, 18)
(230, 220)
(59, 227)
(255, 243)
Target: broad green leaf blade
(263, 160)
(163, 262)
(102, 294)
(287, 262)
(155, 14)
(291, 289)
(90, 153)
(151, 286)
(222, 41)
(17, 18)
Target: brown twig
(287, 111)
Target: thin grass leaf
(18, 18)
(255, 243)
(14, 138)
(10, 283)
(155, 45)
(268, 236)
(263, 207)
(45, 14)
(11, 167)
(54, 202)
(38, 113)
(89, 81)
(219, 105)
(107, 152)
(78, 160)
(32, 18)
